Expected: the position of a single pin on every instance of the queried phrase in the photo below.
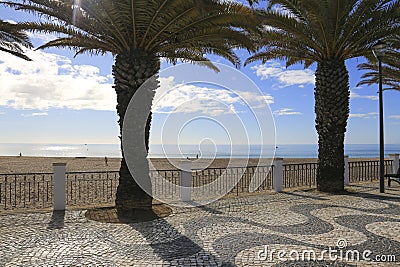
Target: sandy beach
(24, 164)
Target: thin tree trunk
(332, 97)
(130, 72)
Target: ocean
(156, 151)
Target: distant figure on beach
(187, 158)
(20, 154)
(197, 156)
(106, 160)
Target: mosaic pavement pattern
(306, 228)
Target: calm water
(156, 151)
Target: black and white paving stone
(230, 232)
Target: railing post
(278, 174)
(186, 180)
(346, 170)
(59, 185)
(395, 164)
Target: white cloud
(2, 113)
(52, 81)
(274, 70)
(35, 114)
(230, 1)
(189, 98)
(286, 112)
(43, 37)
(354, 95)
(396, 117)
(370, 115)
(10, 21)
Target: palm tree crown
(326, 32)
(12, 38)
(138, 33)
(390, 69)
(316, 30)
(177, 29)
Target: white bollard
(346, 170)
(395, 165)
(59, 185)
(278, 175)
(186, 180)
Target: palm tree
(12, 38)
(390, 68)
(138, 33)
(326, 32)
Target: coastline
(26, 164)
(158, 151)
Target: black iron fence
(360, 171)
(26, 190)
(214, 181)
(35, 190)
(299, 175)
(91, 188)
(233, 180)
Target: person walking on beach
(106, 161)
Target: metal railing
(91, 188)
(299, 175)
(234, 180)
(360, 171)
(35, 190)
(165, 182)
(26, 190)
(260, 175)
(212, 181)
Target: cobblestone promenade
(285, 229)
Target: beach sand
(25, 164)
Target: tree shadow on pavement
(172, 245)
(57, 220)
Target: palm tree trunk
(332, 97)
(130, 71)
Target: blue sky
(61, 99)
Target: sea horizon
(187, 150)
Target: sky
(60, 99)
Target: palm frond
(13, 39)
(125, 26)
(390, 66)
(325, 29)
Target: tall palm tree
(326, 32)
(138, 33)
(12, 38)
(390, 68)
